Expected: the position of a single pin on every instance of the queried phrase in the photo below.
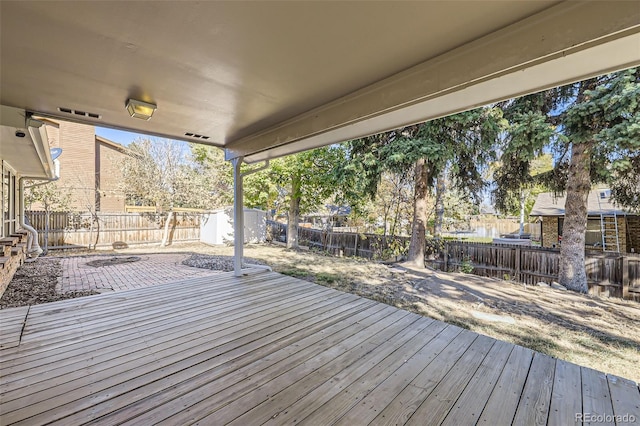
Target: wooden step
(19, 250)
(21, 237)
(9, 240)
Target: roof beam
(565, 43)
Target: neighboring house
(329, 216)
(89, 167)
(609, 228)
(24, 153)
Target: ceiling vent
(79, 113)
(196, 136)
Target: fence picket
(370, 246)
(530, 265)
(67, 229)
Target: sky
(117, 136)
(125, 138)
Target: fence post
(355, 249)
(625, 277)
(446, 256)
(517, 264)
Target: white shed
(216, 227)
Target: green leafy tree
(459, 146)
(213, 176)
(295, 184)
(303, 182)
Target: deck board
(164, 358)
(596, 398)
(505, 397)
(625, 398)
(533, 408)
(437, 405)
(247, 361)
(367, 409)
(271, 349)
(11, 326)
(162, 342)
(235, 378)
(407, 342)
(455, 343)
(566, 399)
(475, 396)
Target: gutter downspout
(38, 134)
(33, 247)
(238, 217)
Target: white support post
(238, 217)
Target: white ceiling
(269, 78)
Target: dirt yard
(600, 333)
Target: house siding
(89, 168)
(550, 233)
(77, 164)
(633, 234)
(108, 158)
(622, 233)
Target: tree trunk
(572, 268)
(385, 220)
(90, 233)
(47, 215)
(396, 218)
(418, 227)
(294, 214)
(165, 233)
(97, 220)
(523, 199)
(440, 189)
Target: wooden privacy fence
(68, 229)
(616, 275)
(370, 246)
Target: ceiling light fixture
(141, 110)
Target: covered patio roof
(265, 79)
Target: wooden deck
(270, 349)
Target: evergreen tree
(593, 130)
(460, 145)
(602, 129)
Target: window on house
(8, 200)
(560, 227)
(5, 202)
(593, 233)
